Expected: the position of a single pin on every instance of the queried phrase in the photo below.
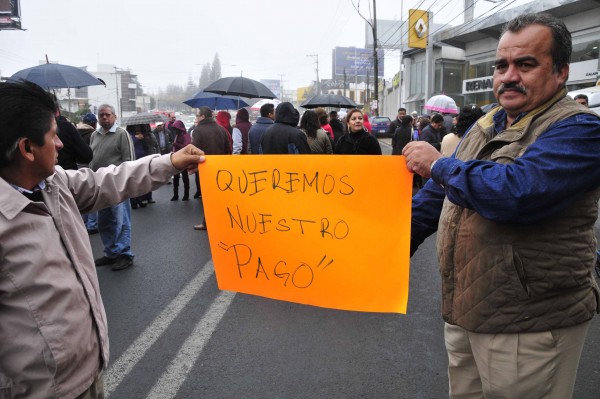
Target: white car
(593, 95)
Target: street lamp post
(375, 60)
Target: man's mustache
(512, 86)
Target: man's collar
(38, 187)
(500, 120)
(111, 130)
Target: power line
(468, 25)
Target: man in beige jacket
(53, 334)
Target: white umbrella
(442, 103)
(256, 106)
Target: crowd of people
(512, 194)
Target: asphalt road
(175, 335)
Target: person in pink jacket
(366, 123)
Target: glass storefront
(479, 72)
(448, 79)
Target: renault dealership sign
(418, 28)
(478, 85)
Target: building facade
(464, 55)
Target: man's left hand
(419, 157)
(188, 158)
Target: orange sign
(323, 230)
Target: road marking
(385, 143)
(172, 379)
(136, 351)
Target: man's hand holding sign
(318, 230)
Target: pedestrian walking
(263, 122)
(318, 139)
(86, 127)
(182, 139)
(358, 141)
(240, 132)
(112, 146)
(403, 135)
(212, 138)
(284, 137)
(469, 114)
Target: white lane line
(172, 379)
(124, 364)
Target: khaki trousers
(96, 390)
(523, 365)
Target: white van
(593, 94)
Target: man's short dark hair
(267, 109)
(322, 114)
(26, 110)
(561, 43)
(401, 109)
(205, 111)
(582, 96)
(437, 118)
(333, 114)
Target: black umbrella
(144, 118)
(240, 86)
(57, 76)
(328, 100)
(215, 101)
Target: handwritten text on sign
(323, 230)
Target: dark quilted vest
(508, 278)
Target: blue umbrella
(215, 101)
(57, 76)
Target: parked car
(380, 125)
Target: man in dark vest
(514, 212)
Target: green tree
(205, 76)
(191, 87)
(216, 68)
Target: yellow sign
(302, 92)
(323, 230)
(396, 80)
(418, 28)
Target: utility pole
(375, 58)
(345, 95)
(400, 69)
(119, 110)
(281, 75)
(316, 57)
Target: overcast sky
(164, 42)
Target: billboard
(10, 14)
(356, 61)
(274, 85)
